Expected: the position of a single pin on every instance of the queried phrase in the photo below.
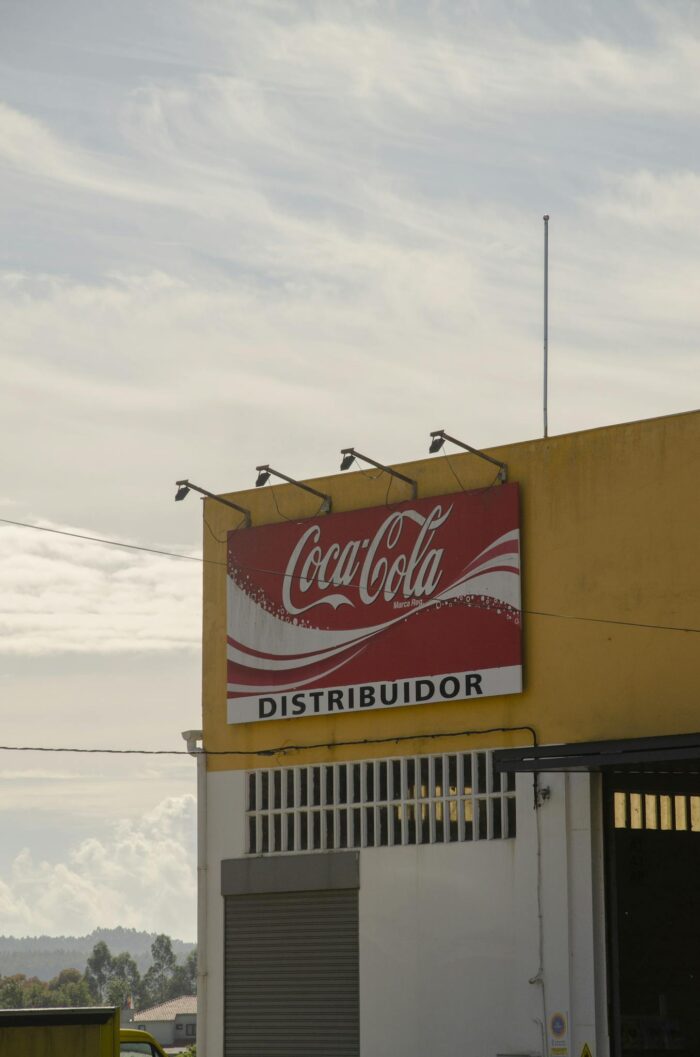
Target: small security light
(439, 437)
(192, 737)
(263, 477)
(349, 456)
(185, 487)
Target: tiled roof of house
(168, 1010)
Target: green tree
(191, 967)
(69, 988)
(124, 982)
(99, 970)
(36, 994)
(156, 981)
(12, 992)
(76, 993)
(184, 978)
(65, 978)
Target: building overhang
(678, 752)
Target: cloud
(265, 230)
(441, 58)
(28, 147)
(650, 200)
(351, 245)
(68, 595)
(140, 874)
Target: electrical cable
(111, 543)
(279, 750)
(297, 576)
(292, 519)
(213, 534)
(484, 488)
(274, 500)
(539, 978)
(609, 620)
(453, 471)
(366, 473)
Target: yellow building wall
(610, 522)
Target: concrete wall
(225, 840)
(179, 1033)
(162, 1030)
(449, 934)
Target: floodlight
(185, 487)
(439, 437)
(263, 477)
(349, 456)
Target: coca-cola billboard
(397, 605)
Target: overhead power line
(296, 576)
(279, 750)
(608, 620)
(110, 543)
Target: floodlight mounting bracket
(381, 466)
(502, 466)
(248, 520)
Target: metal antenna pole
(546, 315)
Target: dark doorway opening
(652, 827)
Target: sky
(235, 233)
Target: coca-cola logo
(397, 562)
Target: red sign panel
(380, 608)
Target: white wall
(179, 1032)
(161, 1030)
(449, 934)
(225, 840)
(448, 941)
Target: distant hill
(45, 956)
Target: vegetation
(108, 979)
(69, 988)
(45, 956)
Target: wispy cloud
(67, 595)
(440, 57)
(648, 200)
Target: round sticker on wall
(557, 1024)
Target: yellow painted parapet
(609, 521)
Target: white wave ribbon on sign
(262, 642)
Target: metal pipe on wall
(192, 737)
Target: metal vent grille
(438, 799)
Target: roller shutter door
(292, 975)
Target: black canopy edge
(598, 755)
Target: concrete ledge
(290, 873)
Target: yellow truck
(135, 1043)
(79, 1032)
